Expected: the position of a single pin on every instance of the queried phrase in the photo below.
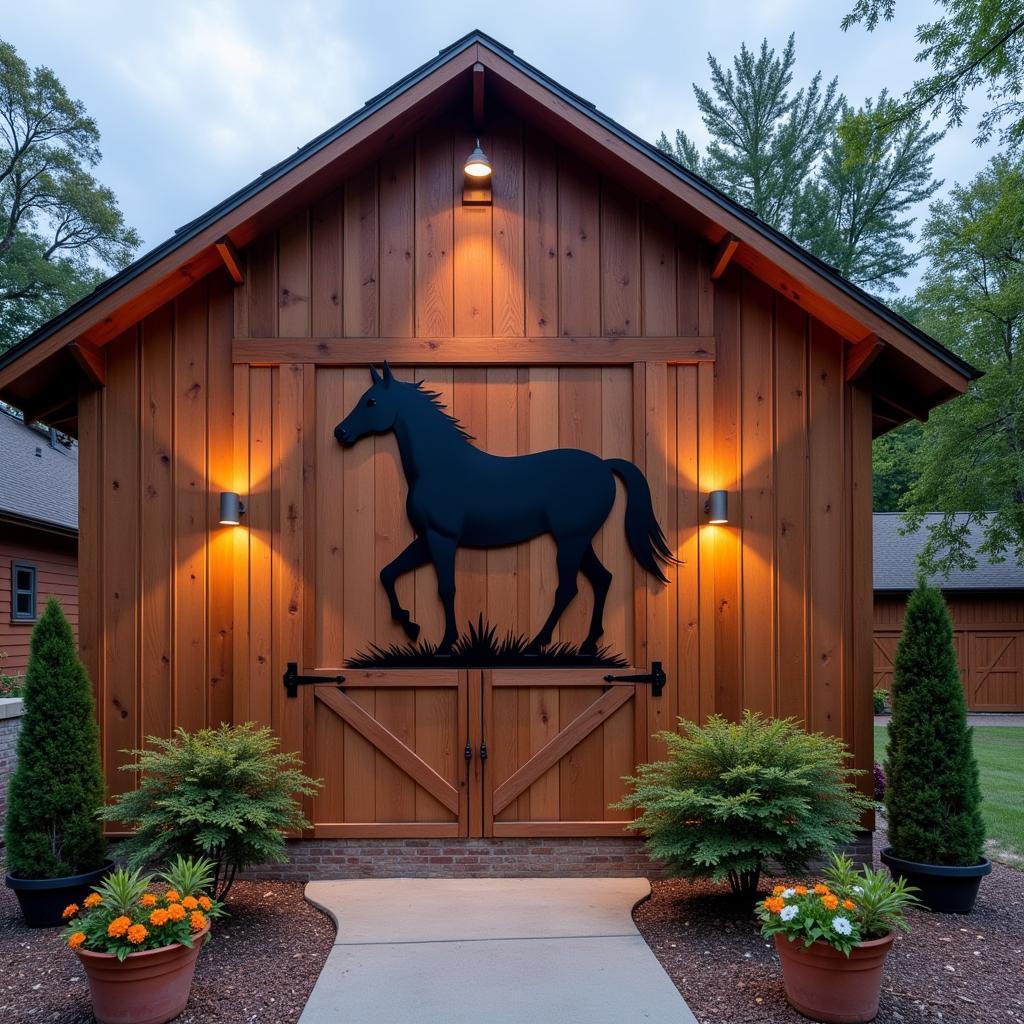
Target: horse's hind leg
(570, 554)
(442, 552)
(415, 555)
(600, 579)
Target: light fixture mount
(716, 508)
(232, 508)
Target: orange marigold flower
(159, 917)
(70, 910)
(94, 899)
(774, 903)
(849, 905)
(176, 912)
(197, 921)
(800, 890)
(830, 901)
(137, 933)
(821, 890)
(172, 896)
(190, 903)
(205, 902)
(778, 890)
(119, 926)
(76, 940)
(148, 900)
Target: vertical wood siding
(193, 623)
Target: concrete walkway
(504, 951)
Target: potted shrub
(932, 796)
(733, 796)
(833, 937)
(227, 794)
(55, 845)
(139, 947)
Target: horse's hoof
(536, 648)
(588, 649)
(412, 630)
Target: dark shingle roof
(895, 559)
(38, 483)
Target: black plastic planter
(42, 900)
(943, 889)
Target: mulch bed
(259, 967)
(961, 970)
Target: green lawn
(1000, 754)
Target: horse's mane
(433, 399)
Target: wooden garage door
(322, 520)
(993, 675)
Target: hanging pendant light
(477, 165)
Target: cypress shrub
(932, 796)
(734, 795)
(56, 791)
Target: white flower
(858, 890)
(842, 925)
(788, 894)
(788, 913)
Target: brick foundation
(461, 858)
(10, 726)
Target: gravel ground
(259, 967)
(961, 970)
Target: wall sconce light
(717, 507)
(231, 508)
(476, 189)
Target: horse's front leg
(415, 555)
(570, 554)
(442, 553)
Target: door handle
(656, 679)
(292, 680)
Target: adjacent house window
(23, 592)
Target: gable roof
(38, 481)
(895, 559)
(189, 253)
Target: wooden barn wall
(772, 612)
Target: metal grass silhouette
(460, 495)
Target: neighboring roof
(38, 482)
(477, 38)
(895, 559)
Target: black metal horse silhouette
(459, 494)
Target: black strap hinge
(292, 680)
(656, 679)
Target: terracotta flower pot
(826, 986)
(150, 987)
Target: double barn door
(439, 751)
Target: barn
(557, 283)
(986, 604)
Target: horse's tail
(646, 540)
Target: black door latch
(656, 679)
(292, 680)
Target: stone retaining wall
(10, 726)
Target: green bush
(881, 701)
(225, 793)
(932, 796)
(732, 796)
(56, 790)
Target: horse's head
(374, 413)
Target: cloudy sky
(194, 98)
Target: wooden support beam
(50, 408)
(723, 254)
(617, 351)
(861, 355)
(232, 259)
(909, 410)
(478, 96)
(92, 361)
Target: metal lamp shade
(718, 507)
(231, 508)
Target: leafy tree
(764, 140)
(59, 227)
(970, 44)
(932, 795)
(970, 456)
(781, 155)
(225, 793)
(732, 796)
(56, 791)
(894, 466)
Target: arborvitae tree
(932, 796)
(56, 790)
